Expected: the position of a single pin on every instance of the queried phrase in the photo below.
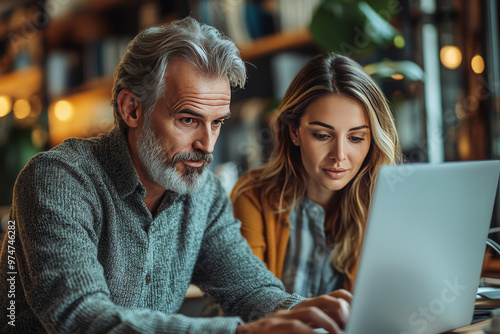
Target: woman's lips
(336, 173)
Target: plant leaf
(379, 30)
(349, 27)
(387, 69)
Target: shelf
(21, 83)
(276, 42)
(102, 5)
(83, 23)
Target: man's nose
(205, 140)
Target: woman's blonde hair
(283, 178)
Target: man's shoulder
(73, 153)
(71, 149)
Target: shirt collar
(312, 208)
(120, 166)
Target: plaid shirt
(308, 270)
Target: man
(109, 232)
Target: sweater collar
(120, 165)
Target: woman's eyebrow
(359, 128)
(332, 128)
(323, 125)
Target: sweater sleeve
(227, 269)
(55, 209)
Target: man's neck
(153, 199)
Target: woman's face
(334, 138)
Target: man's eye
(187, 120)
(217, 122)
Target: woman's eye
(356, 139)
(320, 136)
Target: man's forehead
(182, 76)
(208, 106)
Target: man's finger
(344, 294)
(337, 309)
(315, 318)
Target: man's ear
(130, 108)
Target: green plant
(354, 28)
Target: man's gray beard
(162, 170)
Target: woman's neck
(321, 198)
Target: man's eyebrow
(332, 128)
(196, 114)
(191, 112)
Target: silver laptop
(424, 246)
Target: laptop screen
(424, 246)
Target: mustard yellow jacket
(267, 233)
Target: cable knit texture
(90, 257)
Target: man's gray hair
(142, 69)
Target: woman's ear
(294, 134)
(130, 108)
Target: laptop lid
(423, 251)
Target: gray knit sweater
(87, 255)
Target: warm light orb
(397, 76)
(5, 105)
(451, 56)
(63, 110)
(477, 64)
(39, 136)
(22, 108)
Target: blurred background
(436, 60)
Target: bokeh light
(22, 108)
(451, 56)
(477, 64)
(5, 105)
(39, 136)
(397, 76)
(63, 110)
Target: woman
(304, 212)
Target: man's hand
(336, 305)
(330, 312)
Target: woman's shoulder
(247, 185)
(258, 191)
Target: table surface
(476, 328)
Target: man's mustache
(192, 156)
